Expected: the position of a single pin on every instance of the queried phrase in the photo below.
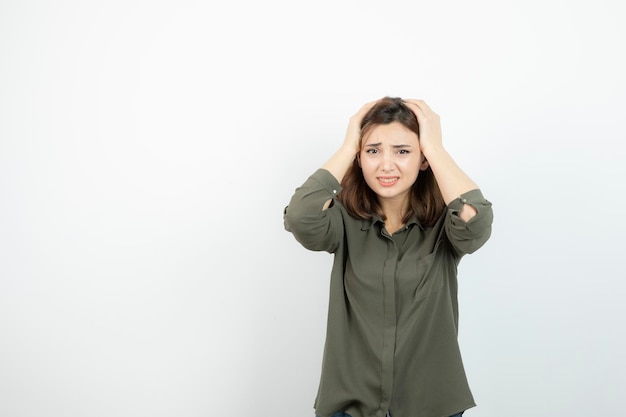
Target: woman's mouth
(387, 181)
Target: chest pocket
(428, 278)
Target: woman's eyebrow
(393, 146)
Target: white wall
(147, 149)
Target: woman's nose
(388, 162)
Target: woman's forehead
(392, 132)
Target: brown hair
(425, 201)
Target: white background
(148, 148)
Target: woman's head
(388, 110)
(390, 166)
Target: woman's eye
(372, 151)
(403, 151)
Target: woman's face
(391, 159)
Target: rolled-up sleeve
(315, 228)
(467, 237)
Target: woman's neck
(394, 211)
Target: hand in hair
(430, 125)
(353, 133)
(452, 181)
(341, 161)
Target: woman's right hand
(353, 133)
(342, 160)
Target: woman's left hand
(429, 124)
(452, 181)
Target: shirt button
(463, 200)
(334, 191)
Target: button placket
(389, 323)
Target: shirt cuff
(328, 181)
(473, 198)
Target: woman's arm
(307, 215)
(451, 179)
(315, 228)
(341, 161)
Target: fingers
(353, 134)
(429, 122)
(357, 118)
(420, 104)
(365, 108)
(420, 108)
(415, 108)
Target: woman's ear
(424, 165)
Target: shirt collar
(367, 224)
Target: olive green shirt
(391, 340)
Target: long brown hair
(425, 201)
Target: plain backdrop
(148, 148)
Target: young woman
(398, 214)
